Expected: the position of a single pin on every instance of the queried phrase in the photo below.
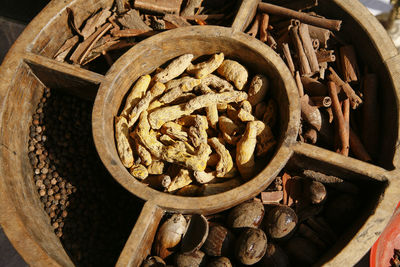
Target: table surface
(10, 30)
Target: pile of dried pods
(294, 229)
(187, 127)
(108, 32)
(328, 76)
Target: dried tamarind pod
(144, 103)
(258, 89)
(205, 100)
(246, 147)
(234, 72)
(217, 83)
(174, 69)
(138, 91)
(122, 139)
(225, 163)
(202, 69)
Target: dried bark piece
(162, 115)
(308, 47)
(177, 21)
(139, 171)
(217, 83)
(122, 140)
(156, 167)
(321, 34)
(205, 100)
(234, 72)
(93, 23)
(179, 181)
(203, 177)
(246, 147)
(144, 103)
(159, 6)
(138, 91)
(190, 7)
(225, 163)
(132, 33)
(66, 48)
(355, 100)
(202, 69)
(174, 69)
(288, 56)
(349, 63)
(175, 130)
(258, 89)
(186, 84)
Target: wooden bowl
(151, 53)
(29, 67)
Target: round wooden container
(29, 67)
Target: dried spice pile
(329, 76)
(292, 223)
(187, 127)
(91, 214)
(106, 34)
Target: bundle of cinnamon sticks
(327, 72)
(109, 32)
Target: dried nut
(153, 261)
(220, 262)
(169, 235)
(275, 257)
(316, 191)
(196, 234)
(302, 251)
(247, 214)
(219, 242)
(194, 259)
(281, 221)
(251, 246)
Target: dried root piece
(246, 105)
(171, 95)
(155, 105)
(245, 116)
(212, 115)
(205, 100)
(139, 171)
(181, 180)
(203, 177)
(162, 115)
(258, 89)
(202, 69)
(144, 154)
(174, 130)
(156, 167)
(246, 147)
(225, 163)
(122, 139)
(198, 132)
(217, 83)
(270, 115)
(265, 141)
(174, 69)
(229, 129)
(138, 91)
(186, 83)
(177, 153)
(185, 97)
(148, 139)
(144, 103)
(234, 72)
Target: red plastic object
(382, 250)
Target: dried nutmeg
(153, 261)
(316, 191)
(219, 242)
(220, 262)
(275, 257)
(247, 214)
(251, 246)
(194, 259)
(196, 234)
(169, 235)
(280, 221)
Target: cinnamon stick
(355, 100)
(349, 63)
(288, 56)
(370, 115)
(321, 101)
(271, 42)
(264, 27)
(338, 117)
(159, 6)
(346, 116)
(285, 178)
(120, 6)
(299, 84)
(204, 16)
(315, 44)
(333, 25)
(322, 35)
(304, 65)
(358, 148)
(255, 26)
(178, 21)
(310, 113)
(132, 33)
(313, 87)
(308, 47)
(325, 56)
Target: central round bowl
(153, 52)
